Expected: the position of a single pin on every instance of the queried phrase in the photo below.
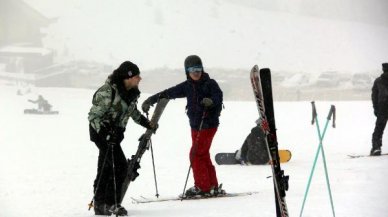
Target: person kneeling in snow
(113, 104)
(253, 150)
(43, 104)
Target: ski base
(230, 159)
(38, 112)
(365, 155)
(144, 144)
(179, 198)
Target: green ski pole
(320, 147)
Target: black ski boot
(194, 192)
(217, 191)
(375, 151)
(100, 208)
(119, 210)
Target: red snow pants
(204, 172)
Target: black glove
(107, 132)
(147, 124)
(105, 127)
(146, 105)
(207, 102)
(375, 112)
(153, 127)
(117, 135)
(112, 139)
(110, 133)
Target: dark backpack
(112, 97)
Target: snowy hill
(226, 34)
(48, 164)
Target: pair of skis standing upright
(262, 89)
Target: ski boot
(118, 210)
(217, 191)
(194, 192)
(100, 208)
(375, 151)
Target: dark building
(20, 24)
(21, 48)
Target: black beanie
(385, 67)
(127, 70)
(193, 60)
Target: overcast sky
(297, 35)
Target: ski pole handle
(332, 113)
(314, 112)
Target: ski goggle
(195, 69)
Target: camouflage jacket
(117, 112)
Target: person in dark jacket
(254, 150)
(204, 105)
(380, 107)
(113, 104)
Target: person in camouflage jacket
(113, 104)
(380, 107)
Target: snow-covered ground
(48, 164)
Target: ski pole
(194, 150)
(98, 181)
(153, 166)
(320, 146)
(184, 188)
(114, 178)
(331, 113)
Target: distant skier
(380, 106)
(204, 105)
(253, 150)
(113, 104)
(43, 104)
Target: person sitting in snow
(113, 104)
(204, 105)
(380, 107)
(43, 104)
(254, 150)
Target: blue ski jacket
(195, 91)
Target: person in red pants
(204, 105)
(204, 172)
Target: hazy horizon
(283, 35)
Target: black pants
(377, 136)
(104, 182)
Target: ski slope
(48, 164)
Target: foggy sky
(297, 35)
